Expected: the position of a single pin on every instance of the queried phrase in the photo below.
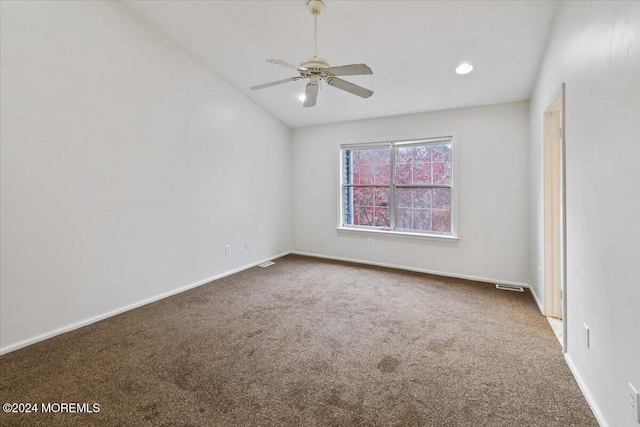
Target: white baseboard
(24, 343)
(583, 388)
(418, 270)
(535, 297)
(585, 392)
(12, 347)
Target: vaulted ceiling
(413, 48)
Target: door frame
(556, 105)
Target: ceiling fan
(317, 69)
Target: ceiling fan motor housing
(313, 66)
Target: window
(402, 186)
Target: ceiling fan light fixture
(464, 68)
(302, 97)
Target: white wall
(594, 47)
(126, 167)
(492, 180)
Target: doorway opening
(554, 217)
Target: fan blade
(286, 64)
(349, 70)
(310, 95)
(349, 87)
(279, 82)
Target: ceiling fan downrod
(315, 7)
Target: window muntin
(398, 186)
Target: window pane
(404, 155)
(442, 173)
(407, 197)
(421, 173)
(422, 197)
(403, 173)
(422, 153)
(362, 157)
(442, 153)
(380, 156)
(363, 174)
(363, 215)
(403, 197)
(424, 164)
(421, 220)
(423, 209)
(363, 196)
(382, 196)
(382, 207)
(370, 206)
(363, 209)
(403, 218)
(367, 166)
(382, 217)
(441, 198)
(413, 219)
(441, 220)
(382, 174)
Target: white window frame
(392, 144)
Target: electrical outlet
(369, 242)
(227, 250)
(585, 335)
(634, 400)
(246, 244)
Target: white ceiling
(413, 48)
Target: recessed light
(464, 68)
(302, 97)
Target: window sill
(402, 234)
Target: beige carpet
(308, 342)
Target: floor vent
(266, 264)
(510, 288)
